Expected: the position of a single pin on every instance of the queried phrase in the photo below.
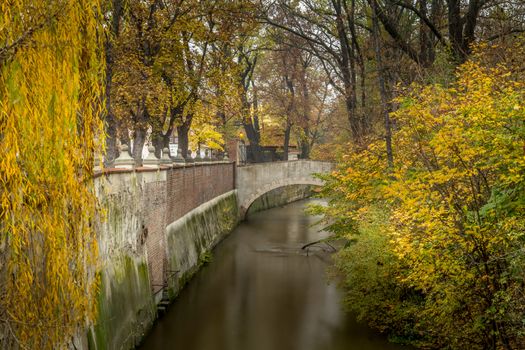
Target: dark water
(261, 292)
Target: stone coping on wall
(284, 161)
(109, 171)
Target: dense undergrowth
(436, 241)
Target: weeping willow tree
(50, 74)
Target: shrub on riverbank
(442, 266)
(369, 272)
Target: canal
(262, 292)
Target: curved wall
(139, 206)
(279, 197)
(193, 236)
(160, 225)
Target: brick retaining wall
(190, 186)
(163, 196)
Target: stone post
(179, 159)
(124, 161)
(151, 161)
(165, 160)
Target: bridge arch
(262, 191)
(253, 181)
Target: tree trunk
(305, 148)
(461, 29)
(470, 21)
(111, 139)
(436, 10)
(183, 135)
(365, 121)
(356, 57)
(426, 45)
(346, 65)
(286, 141)
(253, 136)
(124, 137)
(110, 121)
(455, 30)
(253, 132)
(139, 139)
(161, 140)
(385, 105)
(159, 143)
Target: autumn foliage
(50, 74)
(443, 260)
(429, 193)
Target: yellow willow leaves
(50, 92)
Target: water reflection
(261, 292)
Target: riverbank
(262, 291)
(146, 261)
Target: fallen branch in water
(324, 240)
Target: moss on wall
(280, 196)
(125, 305)
(191, 237)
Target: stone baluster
(214, 156)
(179, 159)
(124, 160)
(198, 157)
(165, 160)
(206, 155)
(151, 161)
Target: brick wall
(138, 206)
(154, 209)
(186, 187)
(145, 201)
(190, 186)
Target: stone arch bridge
(254, 180)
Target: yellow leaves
(455, 194)
(49, 120)
(166, 60)
(454, 146)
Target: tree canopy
(418, 102)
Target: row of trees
(81, 73)
(170, 64)
(201, 70)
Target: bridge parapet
(252, 181)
